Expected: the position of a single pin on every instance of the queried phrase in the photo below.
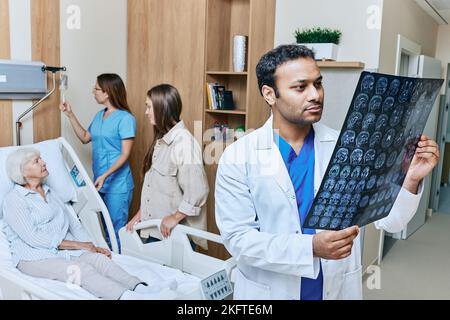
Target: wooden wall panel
(166, 44)
(45, 42)
(6, 134)
(261, 40)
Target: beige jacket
(176, 181)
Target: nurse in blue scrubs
(112, 134)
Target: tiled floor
(419, 267)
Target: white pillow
(5, 251)
(59, 179)
(5, 183)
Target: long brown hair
(167, 108)
(112, 84)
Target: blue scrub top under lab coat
(107, 136)
(301, 171)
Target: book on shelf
(228, 102)
(212, 100)
(208, 93)
(218, 97)
(210, 96)
(219, 90)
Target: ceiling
(438, 9)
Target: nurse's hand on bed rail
(170, 222)
(136, 219)
(100, 182)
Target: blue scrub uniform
(107, 135)
(301, 171)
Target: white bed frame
(15, 287)
(175, 252)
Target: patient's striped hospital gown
(35, 226)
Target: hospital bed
(162, 263)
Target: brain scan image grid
(377, 142)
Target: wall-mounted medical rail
(53, 70)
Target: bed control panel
(77, 177)
(217, 286)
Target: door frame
(413, 50)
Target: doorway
(442, 204)
(411, 63)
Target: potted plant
(323, 41)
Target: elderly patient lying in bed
(48, 242)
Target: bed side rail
(95, 202)
(176, 251)
(14, 287)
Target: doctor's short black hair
(269, 63)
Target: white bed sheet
(151, 273)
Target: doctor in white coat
(256, 206)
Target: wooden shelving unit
(199, 50)
(237, 112)
(341, 64)
(226, 73)
(226, 18)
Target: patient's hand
(77, 245)
(88, 246)
(104, 251)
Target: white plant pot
(323, 51)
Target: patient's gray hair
(16, 161)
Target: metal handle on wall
(53, 70)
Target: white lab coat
(257, 215)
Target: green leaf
(318, 35)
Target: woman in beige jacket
(175, 186)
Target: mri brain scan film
(375, 148)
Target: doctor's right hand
(66, 108)
(334, 245)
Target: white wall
(20, 44)
(359, 21)
(443, 50)
(339, 86)
(413, 23)
(98, 46)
